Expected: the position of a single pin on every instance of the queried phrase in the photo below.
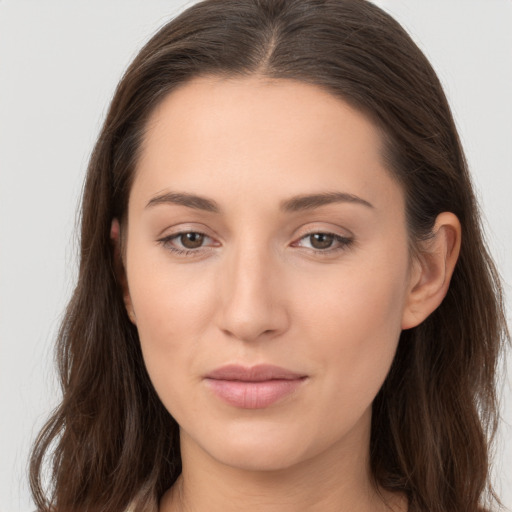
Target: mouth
(253, 387)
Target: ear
(119, 268)
(432, 270)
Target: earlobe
(119, 268)
(432, 270)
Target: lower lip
(253, 395)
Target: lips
(253, 387)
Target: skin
(256, 291)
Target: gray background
(59, 63)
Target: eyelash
(344, 242)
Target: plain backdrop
(59, 63)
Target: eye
(320, 242)
(188, 243)
(185, 242)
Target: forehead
(276, 108)
(257, 136)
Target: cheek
(356, 324)
(171, 308)
(170, 333)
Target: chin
(259, 446)
(259, 456)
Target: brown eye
(192, 240)
(326, 244)
(321, 240)
(187, 243)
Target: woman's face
(263, 229)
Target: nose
(251, 296)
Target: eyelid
(312, 228)
(183, 227)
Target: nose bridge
(251, 305)
(250, 269)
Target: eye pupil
(321, 240)
(192, 240)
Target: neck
(337, 480)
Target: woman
(284, 299)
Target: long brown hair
(111, 442)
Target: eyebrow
(294, 204)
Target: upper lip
(258, 373)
